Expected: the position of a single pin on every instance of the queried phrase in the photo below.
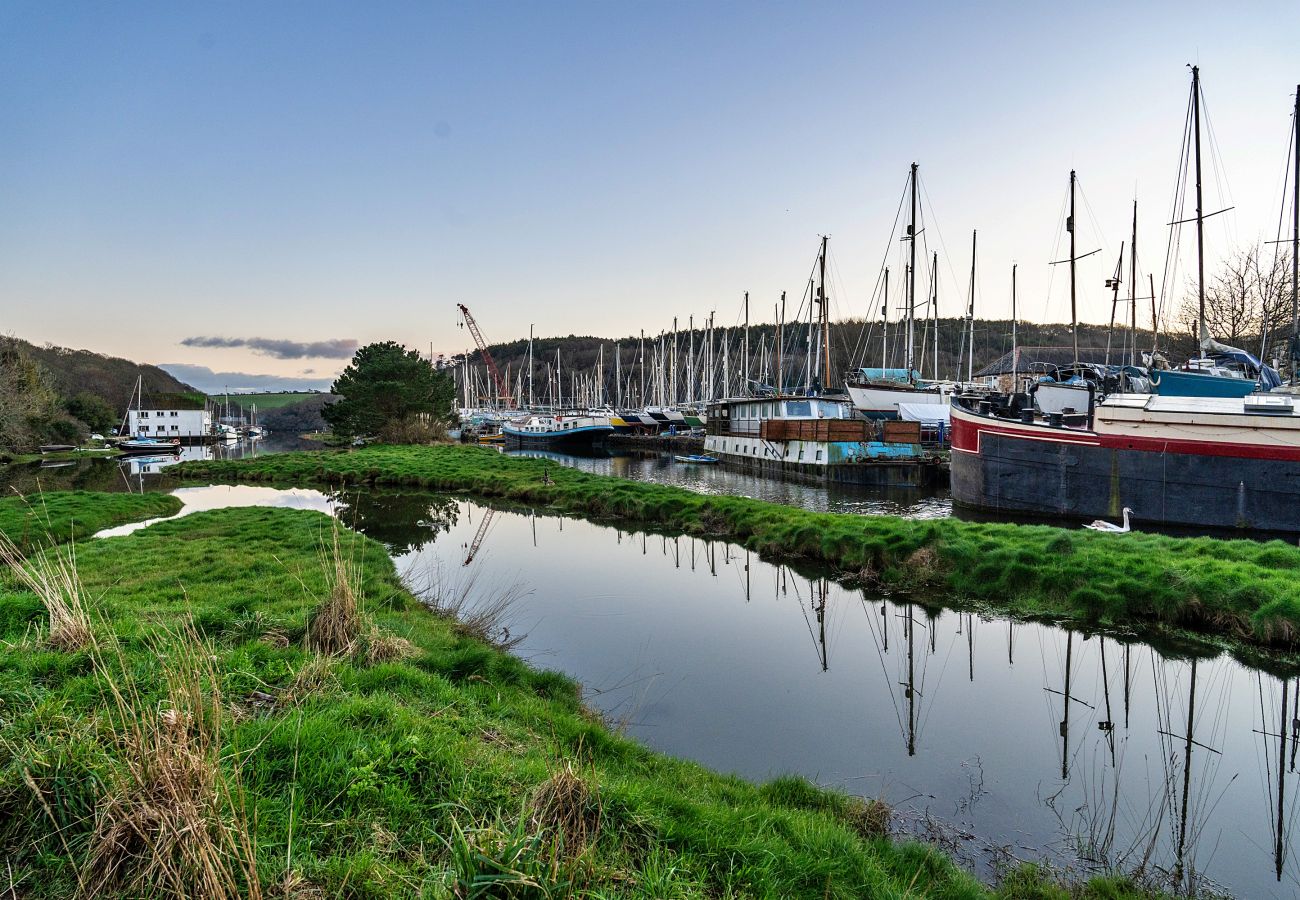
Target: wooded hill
(110, 378)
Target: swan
(1110, 528)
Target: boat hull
(1199, 384)
(1009, 467)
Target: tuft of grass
(52, 576)
(566, 807)
(336, 625)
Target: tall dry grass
(172, 822)
(51, 575)
(337, 623)
(488, 612)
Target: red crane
(503, 390)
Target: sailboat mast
(970, 313)
(911, 279)
(780, 347)
(934, 293)
(1200, 214)
(826, 321)
(1133, 289)
(808, 343)
(744, 382)
(1074, 305)
(1295, 241)
(690, 359)
(884, 334)
(674, 368)
(1015, 347)
(530, 366)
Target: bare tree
(1247, 304)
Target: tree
(1247, 304)
(29, 405)
(391, 392)
(94, 411)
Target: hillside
(110, 378)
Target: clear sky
(323, 173)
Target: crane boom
(503, 393)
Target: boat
(1219, 462)
(877, 393)
(549, 430)
(147, 446)
(1230, 462)
(696, 458)
(57, 448)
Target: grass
(200, 746)
(1244, 591)
(30, 520)
(264, 401)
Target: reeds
(483, 611)
(336, 624)
(52, 576)
(172, 821)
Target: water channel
(998, 739)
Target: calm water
(995, 738)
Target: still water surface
(995, 737)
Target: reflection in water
(914, 502)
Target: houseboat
(557, 429)
(816, 439)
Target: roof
(1041, 359)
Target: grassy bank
(317, 732)
(1245, 590)
(39, 518)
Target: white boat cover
(927, 413)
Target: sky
(252, 190)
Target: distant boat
(57, 448)
(696, 458)
(143, 446)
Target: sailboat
(138, 445)
(877, 393)
(1208, 461)
(1220, 371)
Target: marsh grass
(337, 623)
(39, 519)
(487, 611)
(171, 821)
(52, 576)
(567, 807)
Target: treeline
(57, 395)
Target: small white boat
(696, 458)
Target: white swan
(1108, 527)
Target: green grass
(263, 401)
(34, 519)
(423, 775)
(1238, 590)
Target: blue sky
(319, 172)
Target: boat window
(801, 453)
(798, 408)
(819, 456)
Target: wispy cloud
(337, 348)
(211, 382)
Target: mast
(1074, 306)
(826, 321)
(690, 360)
(600, 378)
(808, 343)
(1015, 349)
(744, 383)
(1295, 241)
(970, 313)
(1113, 284)
(530, 366)
(911, 279)
(674, 368)
(643, 403)
(884, 334)
(618, 377)
(1133, 288)
(1200, 214)
(934, 293)
(780, 347)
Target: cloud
(337, 348)
(211, 382)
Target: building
(192, 426)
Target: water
(961, 722)
(912, 502)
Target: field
(265, 401)
(1237, 590)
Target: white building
(192, 426)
